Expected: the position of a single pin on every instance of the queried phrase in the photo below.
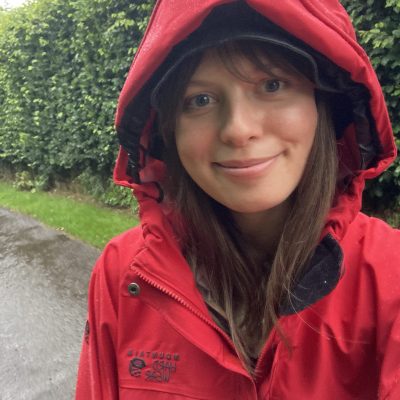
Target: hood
(366, 144)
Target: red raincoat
(149, 334)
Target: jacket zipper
(260, 360)
(181, 301)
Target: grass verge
(83, 220)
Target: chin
(261, 205)
(251, 208)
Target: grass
(79, 218)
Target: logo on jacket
(153, 366)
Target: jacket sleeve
(97, 373)
(390, 368)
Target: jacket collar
(161, 259)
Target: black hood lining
(321, 277)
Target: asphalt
(43, 287)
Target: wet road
(43, 281)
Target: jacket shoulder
(125, 245)
(376, 236)
(374, 244)
(372, 261)
(115, 260)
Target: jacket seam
(321, 17)
(150, 24)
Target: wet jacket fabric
(149, 334)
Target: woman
(247, 131)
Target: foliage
(81, 219)
(23, 181)
(62, 66)
(378, 27)
(105, 190)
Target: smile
(245, 168)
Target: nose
(241, 122)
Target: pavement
(43, 288)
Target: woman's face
(246, 142)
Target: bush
(62, 66)
(104, 190)
(23, 181)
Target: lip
(246, 168)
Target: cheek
(190, 154)
(193, 143)
(182, 141)
(299, 123)
(187, 147)
(310, 125)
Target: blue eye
(201, 100)
(272, 85)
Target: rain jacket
(149, 333)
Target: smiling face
(245, 142)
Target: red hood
(322, 24)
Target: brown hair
(245, 294)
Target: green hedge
(63, 63)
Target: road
(43, 281)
